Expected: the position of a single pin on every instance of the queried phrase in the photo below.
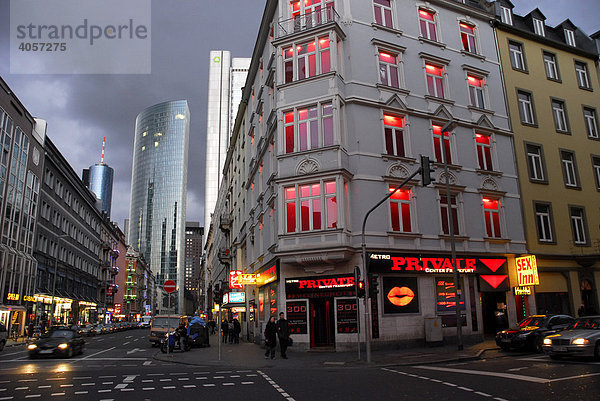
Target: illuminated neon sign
(527, 272)
(389, 263)
(234, 279)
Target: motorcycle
(175, 342)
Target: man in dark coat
(270, 338)
(283, 332)
(225, 330)
(237, 329)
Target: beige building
(552, 92)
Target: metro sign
(527, 272)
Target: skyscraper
(226, 79)
(158, 190)
(99, 179)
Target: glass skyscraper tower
(158, 191)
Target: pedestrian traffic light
(217, 294)
(373, 285)
(426, 170)
(360, 289)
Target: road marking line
(44, 386)
(56, 394)
(169, 387)
(517, 369)
(499, 399)
(232, 376)
(166, 380)
(128, 336)
(66, 385)
(99, 352)
(105, 391)
(56, 378)
(156, 374)
(229, 384)
(107, 383)
(177, 374)
(283, 393)
(247, 382)
(218, 377)
(22, 388)
(80, 392)
(201, 378)
(252, 375)
(484, 373)
(33, 396)
(88, 384)
(127, 389)
(196, 373)
(465, 388)
(147, 363)
(148, 388)
(190, 386)
(6, 398)
(573, 377)
(121, 386)
(127, 342)
(82, 377)
(129, 378)
(243, 371)
(27, 380)
(148, 381)
(183, 378)
(450, 384)
(483, 394)
(106, 377)
(209, 385)
(225, 371)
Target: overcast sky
(81, 109)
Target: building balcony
(225, 223)
(305, 22)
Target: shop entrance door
(322, 323)
(495, 316)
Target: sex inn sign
(527, 272)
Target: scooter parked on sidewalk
(175, 342)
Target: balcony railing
(307, 21)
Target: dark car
(531, 331)
(59, 342)
(582, 338)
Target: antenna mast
(103, 142)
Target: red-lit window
(484, 152)
(388, 69)
(309, 128)
(435, 80)
(307, 59)
(491, 211)
(383, 12)
(309, 13)
(311, 207)
(400, 210)
(439, 144)
(394, 135)
(445, 214)
(476, 86)
(427, 24)
(467, 36)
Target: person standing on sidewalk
(283, 332)
(225, 330)
(271, 338)
(237, 329)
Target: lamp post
(450, 126)
(58, 238)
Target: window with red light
(427, 24)
(453, 212)
(476, 87)
(383, 12)
(309, 13)
(491, 211)
(394, 134)
(440, 143)
(484, 152)
(307, 59)
(467, 37)
(400, 210)
(388, 69)
(311, 207)
(309, 128)
(435, 80)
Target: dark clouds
(81, 109)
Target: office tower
(99, 179)
(158, 190)
(226, 78)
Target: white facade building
(342, 98)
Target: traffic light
(217, 294)
(373, 285)
(360, 289)
(426, 171)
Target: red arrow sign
(169, 286)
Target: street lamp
(58, 238)
(450, 126)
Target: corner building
(551, 77)
(158, 192)
(342, 98)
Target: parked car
(101, 329)
(60, 342)
(88, 329)
(581, 338)
(76, 328)
(3, 336)
(531, 331)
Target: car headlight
(547, 341)
(580, 341)
(63, 346)
(31, 346)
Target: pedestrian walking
(231, 331)
(283, 332)
(271, 338)
(237, 329)
(225, 330)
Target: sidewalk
(250, 355)
(11, 343)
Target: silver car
(581, 338)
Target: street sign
(169, 286)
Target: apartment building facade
(342, 98)
(551, 78)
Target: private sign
(527, 273)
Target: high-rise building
(193, 261)
(226, 78)
(99, 179)
(158, 190)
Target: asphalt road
(120, 366)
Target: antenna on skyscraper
(103, 142)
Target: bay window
(400, 205)
(311, 207)
(307, 59)
(308, 127)
(491, 212)
(394, 135)
(309, 13)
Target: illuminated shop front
(413, 287)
